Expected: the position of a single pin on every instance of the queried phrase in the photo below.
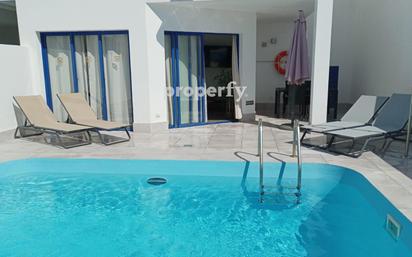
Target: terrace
(229, 142)
(123, 60)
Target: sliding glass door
(95, 64)
(185, 79)
(116, 68)
(60, 70)
(88, 71)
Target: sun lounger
(360, 114)
(80, 113)
(40, 119)
(389, 123)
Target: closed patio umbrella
(297, 66)
(408, 132)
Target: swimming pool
(87, 207)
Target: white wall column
(321, 60)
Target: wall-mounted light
(273, 40)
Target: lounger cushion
(65, 127)
(358, 115)
(39, 114)
(101, 124)
(366, 131)
(364, 109)
(394, 114)
(81, 113)
(335, 125)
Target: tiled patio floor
(229, 141)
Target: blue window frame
(201, 78)
(71, 35)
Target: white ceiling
(271, 10)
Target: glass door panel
(195, 65)
(60, 71)
(117, 77)
(184, 73)
(169, 82)
(88, 71)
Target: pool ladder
(296, 152)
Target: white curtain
(236, 78)
(183, 43)
(189, 67)
(60, 70)
(88, 71)
(195, 68)
(168, 55)
(117, 74)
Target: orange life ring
(280, 62)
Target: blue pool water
(63, 207)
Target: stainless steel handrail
(296, 143)
(260, 154)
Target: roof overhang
(274, 10)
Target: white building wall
(343, 48)
(146, 26)
(372, 45)
(321, 61)
(15, 80)
(267, 78)
(79, 15)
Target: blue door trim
(174, 67)
(46, 69)
(74, 68)
(71, 34)
(177, 81)
(189, 77)
(102, 77)
(199, 33)
(202, 78)
(67, 33)
(130, 78)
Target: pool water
(62, 207)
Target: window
(95, 64)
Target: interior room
(218, 73)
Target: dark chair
(301, 100)
(301, 97)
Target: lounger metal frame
(390, 135)
(18, 133)
(101, 137)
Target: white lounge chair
(361, 113)
(389, 123)
(40, 119)
(80, 113)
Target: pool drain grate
(157, 181)
(393, 227)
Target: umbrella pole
(408, 132)
(292, 102)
